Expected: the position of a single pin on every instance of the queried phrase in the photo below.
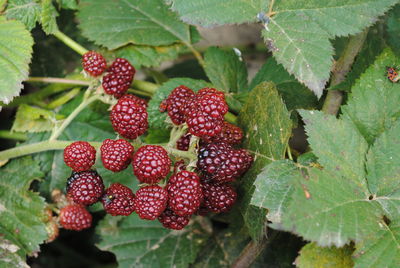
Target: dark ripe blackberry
(218, 198)
(221, 163)
(118, 200)
(80, 155)
(129, 118)
(85, 187)
(172, 221)
(121, 66)
(150, 201)
(183, 142)
(94, 63)
(184, 193)
(151, 163)
(116, 155)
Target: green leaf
(156, 118)
(8, 255)
(21, 210)
(266, 122)
(274, 188)
(330, 209)
(337, 144)
(381, 249)
(15, 56)
(298, 34)
(149, 56)
(141, 243)
(393, 29)
(373, 103)
(222, 249)
(312, 255)
(226, 70)
(117, 23)
(33, 119)
(218, 12)
(294, 94)
(26, 11)
(384, 172)
(48, 17)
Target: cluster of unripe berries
(174, 199)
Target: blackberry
(93, 63)
(80, 155)
(85, 187)
(118, 200)
(151, 163)
(184, 193)
(129, 118)
(150, 201)
(116, 155)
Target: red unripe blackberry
(205, 113)
(218, 198)
(184, 142)
(80, 155)
(230, 134)
(184, 193)
(151, 163)
(115, 84)
(211, 92)
(75, 217)
(93, 63)
(151, 201)
(121, 66)
(129, 118)
(136, 100)
(116, 155)
(118, 200)
(176, 102)
(172, 221)
(85, 187)
(220, 162)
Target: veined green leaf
(117, 23)
(15, 56)
(21, 210)
(26, 11)
(141, 243)
(266, 122)
(226, 70)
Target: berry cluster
(203, 112)
(219, 162)
(196, 187)
(119, 75)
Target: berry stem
(11, 135)
(145, 86)
(58, 130)
(231, 118)
(334, 98)
(63, 99)
(37, 148)
(196, 53)
(178, 153)
(70, 43)
(55, 80)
